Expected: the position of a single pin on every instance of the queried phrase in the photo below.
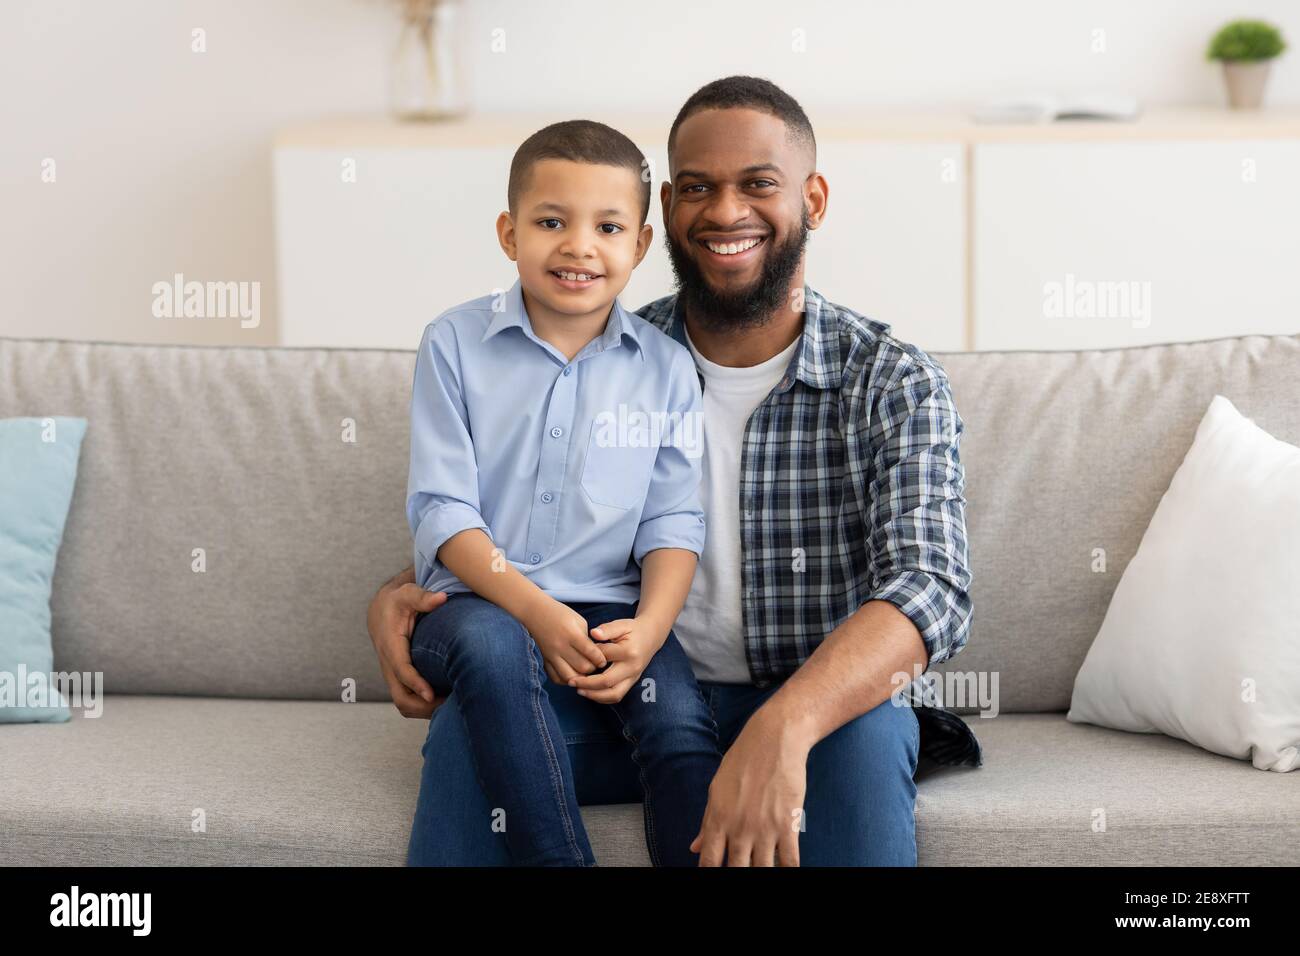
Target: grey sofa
(225, 688)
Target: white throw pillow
(1202, 637)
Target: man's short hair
(581, 141)
(748, 92)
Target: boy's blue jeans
(519, 752)
(858, 809)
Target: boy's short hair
(580, 141)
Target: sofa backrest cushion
(241, 452)
(1067, 455)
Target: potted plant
(1245, 48)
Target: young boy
(562, 519)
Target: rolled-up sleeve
(917, 549)
(442, 486)
(672, 516)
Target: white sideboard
(1182, 225)
(1091, 245)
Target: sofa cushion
(1201, 640)
(315, 783)
(242, 452)
(243, 455)
(1165, 802)
(279, 782)
(1067, 455)
(38, 470)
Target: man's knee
(885, 736)
(868, 764)
(861, 798)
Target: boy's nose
(577, 249)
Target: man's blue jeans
(858, 809)
(472, 650)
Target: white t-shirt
(710, 625)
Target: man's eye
(762, 184)
(545, 223)
(610, 228)
(694, 186)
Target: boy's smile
(576, 281)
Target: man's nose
(728, 207)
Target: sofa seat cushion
(1165, 802)
(318, 783)
(279, 782)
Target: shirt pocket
(616, 473)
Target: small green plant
(1248, 40)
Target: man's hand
(629, 643)
(560, 633)
(390, 620)
(755, 809)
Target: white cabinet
(369, 263)
(1183, 225)
(378, 230)
(1098, 245)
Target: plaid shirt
(851, 490)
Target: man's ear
(643, 243)
(816, 196)
(506, 235)
(665, 199)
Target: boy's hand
(560, 633)
(629, 643)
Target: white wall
(162, 155)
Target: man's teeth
(731, 248)
(576, 276)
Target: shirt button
(534, 558)
(568, 371)
(557, 431)
(546, 496)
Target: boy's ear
(643, 243)
(506, 235)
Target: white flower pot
(1246, 82)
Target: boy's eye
(610, 228)
(546, 223)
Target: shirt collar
(513, 313)
(817, 360)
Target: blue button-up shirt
(575, 469)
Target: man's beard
(746, 307)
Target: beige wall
(162, 155)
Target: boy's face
(576, 219)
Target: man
(835, 555)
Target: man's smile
(731, 251)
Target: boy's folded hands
(628, 644)
(560, 633)
(601, 662)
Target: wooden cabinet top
(508, 129)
